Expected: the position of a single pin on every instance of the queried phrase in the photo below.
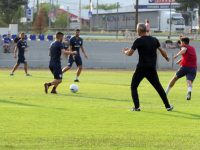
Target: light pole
(117, 19)
(80, 21)
(170, 20)
(136, 13)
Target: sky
(75, 3)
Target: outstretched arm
(128, 51)
(163, 53)
(181, 52)
(68, 52)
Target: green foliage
(61, 21)
(104, 6)
(98, 117)
(11, 11)
(185, 4)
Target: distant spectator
(148, 27)
(7, 43)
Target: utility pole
(170, 21)
(117, 19)
(50, 2)
(136, 13)
(80, 20)
(38, 5)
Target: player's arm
(84, 53)
(68, 52)
(15, 51)
(181, 52)
(178, 62)
(164, 53)
(128, 51)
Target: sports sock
(189, 89)
(76, 78)
(167, 90)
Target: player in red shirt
(188, 64)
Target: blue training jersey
(7, 40)
(21, 45)
(76, 43)
(55, 52)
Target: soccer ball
(73, 88)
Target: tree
(61, 21)
(188, 4)
(40, 23)
(8, 9)
(105, 6)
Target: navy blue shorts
(56, 71)
(21, 60)
(189, 72)
(75, 58)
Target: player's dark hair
(58, 34)
(78, 30)
(179, 42)
(185, 40)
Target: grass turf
(98, 116)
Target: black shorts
(76, 58)
(189, 72)
(21, 60)
(56, 71)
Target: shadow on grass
(99, 98)
(30, 105)
(177, 114)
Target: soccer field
(98, 116)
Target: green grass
(98, 116)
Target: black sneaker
(12, 74)
(28, 74)
(188, 97)
(46, 87)
(54, 92)
(76, 80)
(135, 109)
(170, 108)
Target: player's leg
(179, 74)
(14, 68)
(69, 65)
(26, 69)
(57, 72)
(136, 79)
(153, 78)
(171, 84)
(190, 79)
(78, 62)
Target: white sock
(189, 89)
(76, 78)
(167, 90)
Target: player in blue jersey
(21, 47)
(76, 43)
(56, 49)
(7, 43)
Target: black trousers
(151, 75)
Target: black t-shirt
(55, 52)
(21, 45)
(76, 43)
(16, 39)
(147, 49)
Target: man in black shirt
(21, 47)
(147, 49)
(56, 49)
(76, 44)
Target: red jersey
(189, 59)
